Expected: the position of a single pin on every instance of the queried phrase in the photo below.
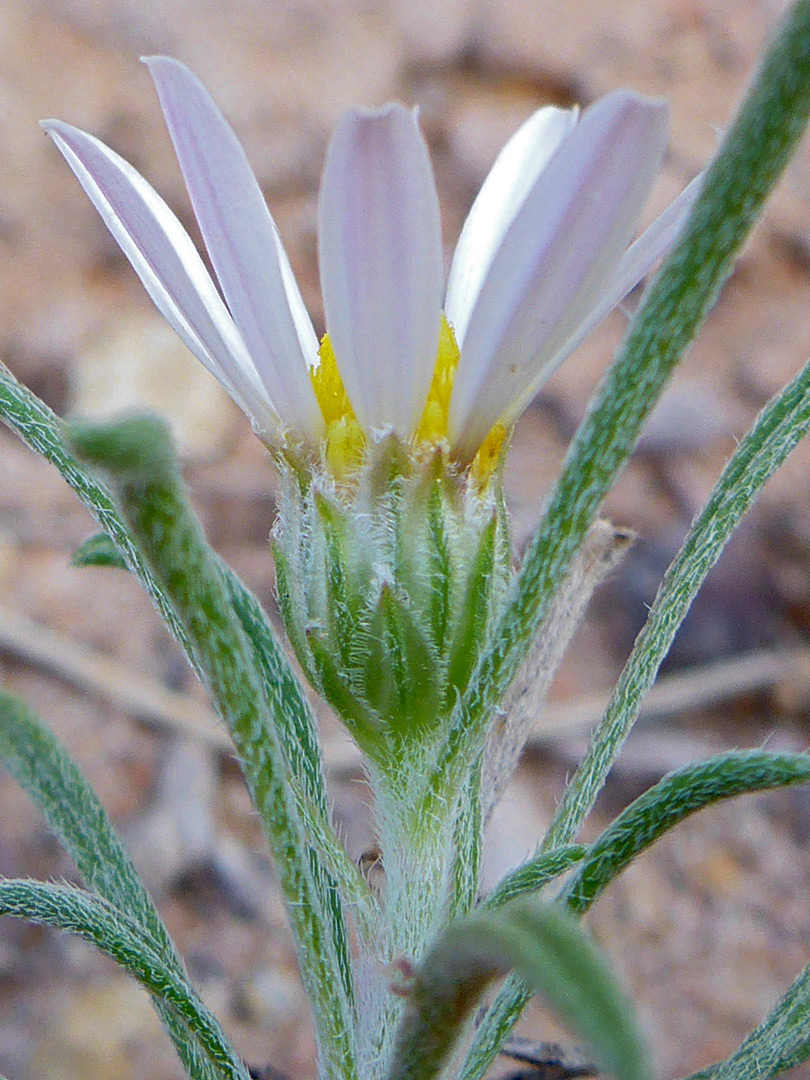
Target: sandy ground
(708, 928)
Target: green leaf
(778, 428)
(535, 874)
(550, 952)
(114, 933)
(99, 550)
(297, 725)
(42, 430)
(640, 825)
(38, 762)
(780, 1042)
(137, 455)
(298, 730)
(671, 800)
(757, 147)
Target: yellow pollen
(433, 425)
(345, 441)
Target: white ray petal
(550, 269)
(636, 263)
(508, 183)
(168, 264)
(381, 264)
(243, 243)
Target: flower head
(391, 544)
(542, 258)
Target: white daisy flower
(542, 259)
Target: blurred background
(708, 928)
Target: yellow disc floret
(433, 425)
(345, 441)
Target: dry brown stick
(89, 669)
(698, 687)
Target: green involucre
(389, 587)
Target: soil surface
(710, 927)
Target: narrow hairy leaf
(754, 152)
(778, 428)
(671, 800)
(290, 712)
(756, 148)
(512, 999)
(125, 941)
(780, 1042)
(43, 431)
(519, 713)
(38, 762)
(551, 953)
(297, 725)
(136, 453)
(655, 812)
(536, 873)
